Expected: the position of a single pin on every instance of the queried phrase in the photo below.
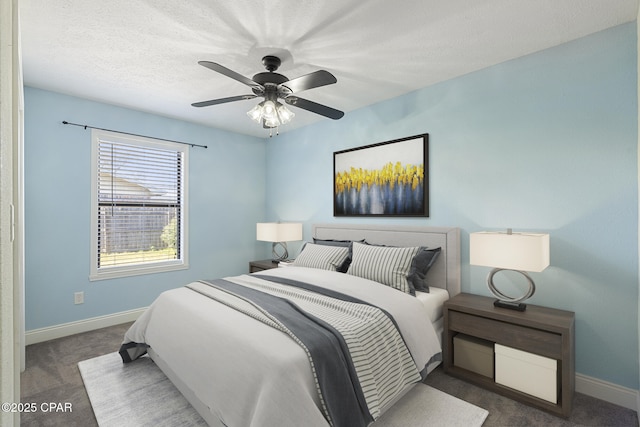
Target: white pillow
(321, 256)
(385, 264)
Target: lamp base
(279, 251)
(518, 306)
(505, 301)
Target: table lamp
(521, 252)
(279, 233)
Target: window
(138, 198)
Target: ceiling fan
(272, 87)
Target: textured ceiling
(143, 54)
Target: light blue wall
(546, 142)
(226, 198)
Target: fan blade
(230, 73)
(314, 107)
(310, 81)
(222, 100)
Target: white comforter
(249, 374)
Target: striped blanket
(358, 357)
(242, 361)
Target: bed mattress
(238, 371)
(433, 302)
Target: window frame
(98, 135)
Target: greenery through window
(139, 192)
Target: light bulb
(269, 110)
(271, 122)
(256, 113)
(284, 114)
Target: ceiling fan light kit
(271, 113)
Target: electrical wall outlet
(78, 298)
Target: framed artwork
(385, 179)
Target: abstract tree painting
(384, 179)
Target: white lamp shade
(278, 231)
(516, 251)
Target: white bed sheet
(249, 374)
(433, 301)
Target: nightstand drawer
(265, 264)
(524, 338)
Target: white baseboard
(613, 393)
(58, 331)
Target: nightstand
(537, 332)
(265, 264)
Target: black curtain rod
(64, 122)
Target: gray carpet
(139, 394)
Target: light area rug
(139, 394)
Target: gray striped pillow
(387, 265)
(321, 256)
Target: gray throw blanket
(358, 357)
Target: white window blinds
(139, 212)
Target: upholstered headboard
(445, 273)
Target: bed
(243, 357)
